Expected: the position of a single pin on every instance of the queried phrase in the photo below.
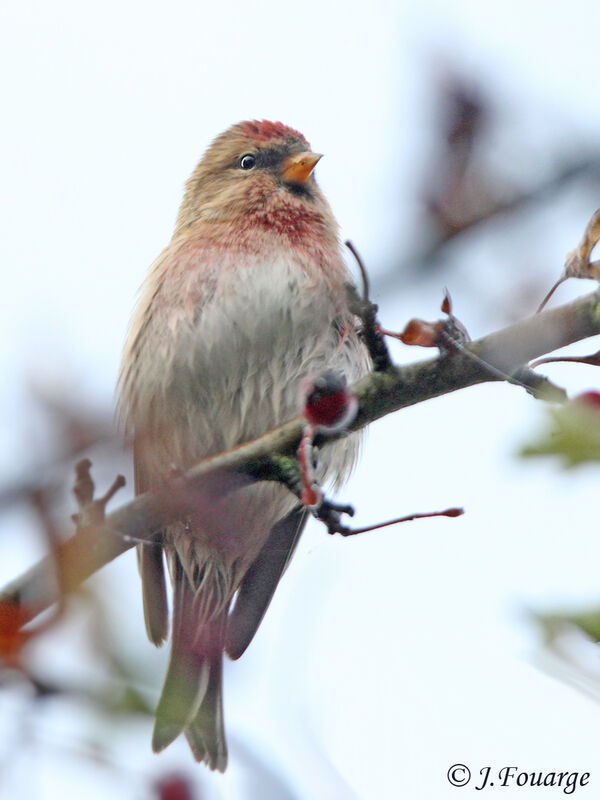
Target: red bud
(329, 404)
(590, 399)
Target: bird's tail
(191, 699)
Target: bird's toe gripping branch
(312, 495)
(329, 406)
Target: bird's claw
(331, 515)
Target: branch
(272, 456)
(587, 167)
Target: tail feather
(150, 563)
(191, 699)
(206, 733)
(154, 592)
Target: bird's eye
(248, 161)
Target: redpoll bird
(245, 302)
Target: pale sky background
(387, 658)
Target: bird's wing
(260, 581)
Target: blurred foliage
(588, 622)
(572, 433)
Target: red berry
(329, 404)
(174, 787)
(590, 399)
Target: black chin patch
(299, 189)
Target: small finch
(247, 300)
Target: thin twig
(592, 360)
(367, 312)
(366, 295)
(549, 294)
(587, 168)
(449, 512)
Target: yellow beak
(298, 168)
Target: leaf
(587, 622)
(573, 434)
(129, 701)
(12, 636)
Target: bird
(247, 300)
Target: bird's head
(253, 167)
